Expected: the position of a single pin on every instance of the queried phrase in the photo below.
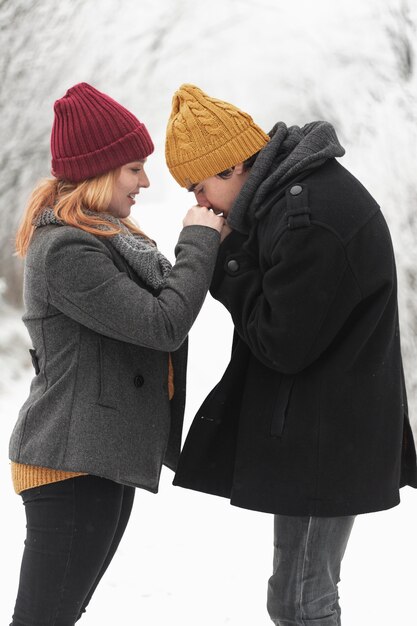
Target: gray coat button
(138, 380)
(296, 190)
(232, 265)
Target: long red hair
(69, 202)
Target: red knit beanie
(93, 134)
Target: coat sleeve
(84, 284)
(290, 313)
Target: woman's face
(131, 180)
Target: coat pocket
(281, 405)
(109, 373)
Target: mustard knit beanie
(206, 136)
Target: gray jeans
(308, 552)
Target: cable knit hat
(206, 136)
(93, 134)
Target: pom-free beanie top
(206, 136)
(93, 134)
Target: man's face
(219, 194)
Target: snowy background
(187, 558)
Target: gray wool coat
(101, 341)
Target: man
(309, 420)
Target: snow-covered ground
(190, 559)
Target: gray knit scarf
(141, 254)
(289, 152)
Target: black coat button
(296, 190)
(138, 380)
(232, 265)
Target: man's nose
(202, 201)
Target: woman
(108, 318)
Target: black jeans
(73, 529)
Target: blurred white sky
(293, 61)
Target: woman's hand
(226, 230)
(201, 216)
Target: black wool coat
(310, 416)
